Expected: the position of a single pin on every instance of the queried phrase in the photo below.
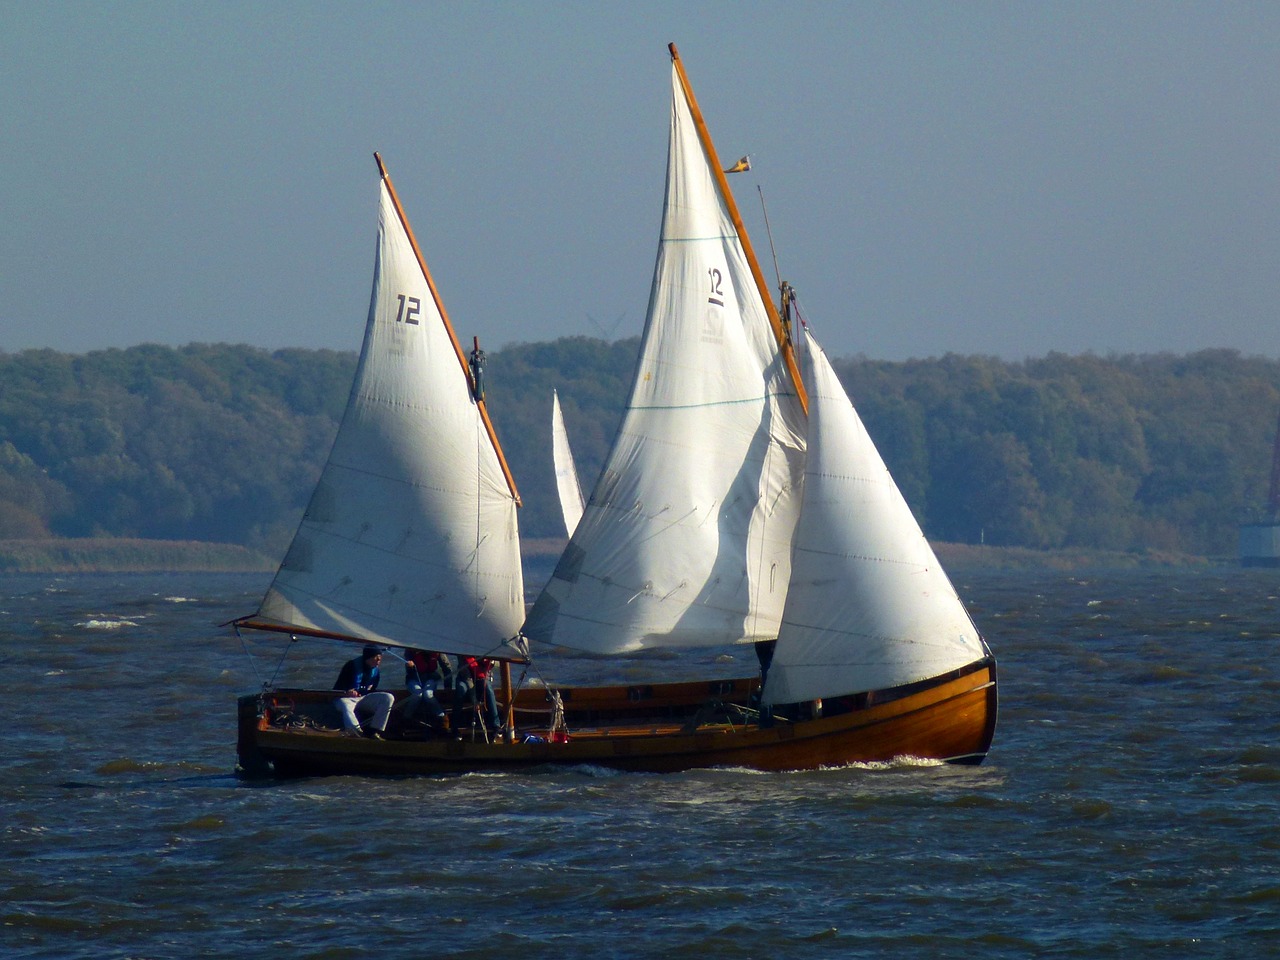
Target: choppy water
(1129, 807)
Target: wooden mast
(453, 337)
(780, 332)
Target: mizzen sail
(410, 537)
(686, 538)
(869, 606)
(567, 485)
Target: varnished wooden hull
(660, 728)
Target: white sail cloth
(869, 605)
(567, 485)
(686, 539)
(410, 537)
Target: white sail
(566, 471)
(870, 606)
(686, 539)
(410, 537)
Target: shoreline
(124, 555)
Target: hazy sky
(1000, 178)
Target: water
(1129, 807)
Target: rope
(294, 638)
(253, 662)
(284, 656)
(249, 656)
(288, 720)
(557, 704)
(293, 721)
(558, 725)
(731, 712)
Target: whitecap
(902, 762)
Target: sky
(1009, 179)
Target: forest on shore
(222, 443)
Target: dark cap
(372, 652)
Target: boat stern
(250, 718)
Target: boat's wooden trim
(780, 332)
(950, 719)
(252, 622)
(453, 337)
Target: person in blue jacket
(358, 682)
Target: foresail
(567, 485)
(686, 538)
(410, 537)
(870, 606)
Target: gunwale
(951, 719)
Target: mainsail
(686, 538)
(410, 537)
(567, 485)
(869, 606)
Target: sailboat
(410, 537)
(567, 486)
(742, 506)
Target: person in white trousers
(358, 682)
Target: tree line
(223, 443)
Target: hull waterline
(948, 719)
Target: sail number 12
(409, 315)
(717, 295)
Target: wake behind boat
(741, 503)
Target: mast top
(453, 337)
(781, 334)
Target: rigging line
(717, 171)
(253, 663)
(267, 684)
(378, 475)
(769, 232)
(367, 545)
(669, 526)
(480, 534)
(283, 657)
(699, 239)
(753, 601)
(712, 403)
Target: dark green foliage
(1124, 453)
(206, 442)
(223, 443)
(593, 379)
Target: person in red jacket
(474, 689)
(425, 672)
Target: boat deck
(660, 728)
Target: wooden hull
(660, 728)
